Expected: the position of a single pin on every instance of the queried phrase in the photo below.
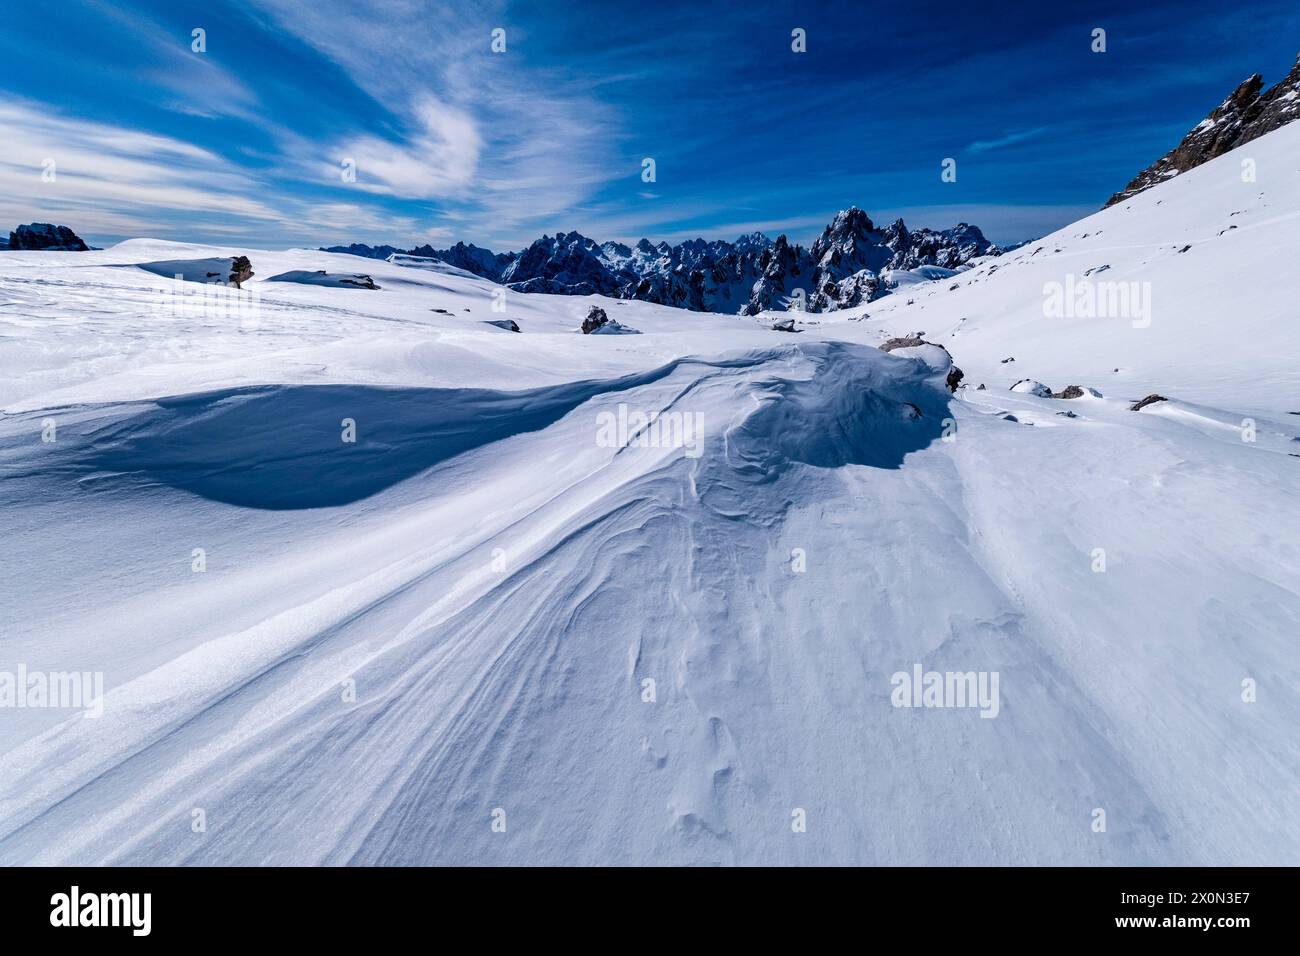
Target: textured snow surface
(499, 583)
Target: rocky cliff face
(842, 268)
(1245, 115)
(565, 264)
(44, 235)
(851, 254)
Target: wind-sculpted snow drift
(277, 447)
(367, 582)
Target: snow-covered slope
(484, 632)
(1206, 263)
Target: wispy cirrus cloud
(449, 138)
(1010, 139)
(489, 136)
(54, 159)
(119, 181)
(435, 129)
(438, 158)
(195, 84)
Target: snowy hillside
(496, 627)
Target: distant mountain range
(1245, 115)
(847, 265)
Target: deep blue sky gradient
(499, 148)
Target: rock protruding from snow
(1245, 115)
(241, 270)
(220, 270)
(46, 236)
(1077, 391)
(1030, 387)
(902, 342)
(1149, 400)
(510, 325)
(596, 317)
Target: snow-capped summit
(1245, 115)
(850, 243)
(851, 255)
(564, 264)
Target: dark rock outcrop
(47, 236)
(1070, 391)
(1149, 400)
(596, 317)
(510, 325)
(241, 270)
(903, 342)
(1245, 115)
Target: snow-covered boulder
(221, 270)
(614, 327)
(1077, 391)
(346, 280)
(935, 356)
(1029, 387)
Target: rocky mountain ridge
(847, 265)
(1245, 115)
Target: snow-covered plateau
(370, 580)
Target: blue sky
(243, 143)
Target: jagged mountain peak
(753, 240)
(852, 219)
